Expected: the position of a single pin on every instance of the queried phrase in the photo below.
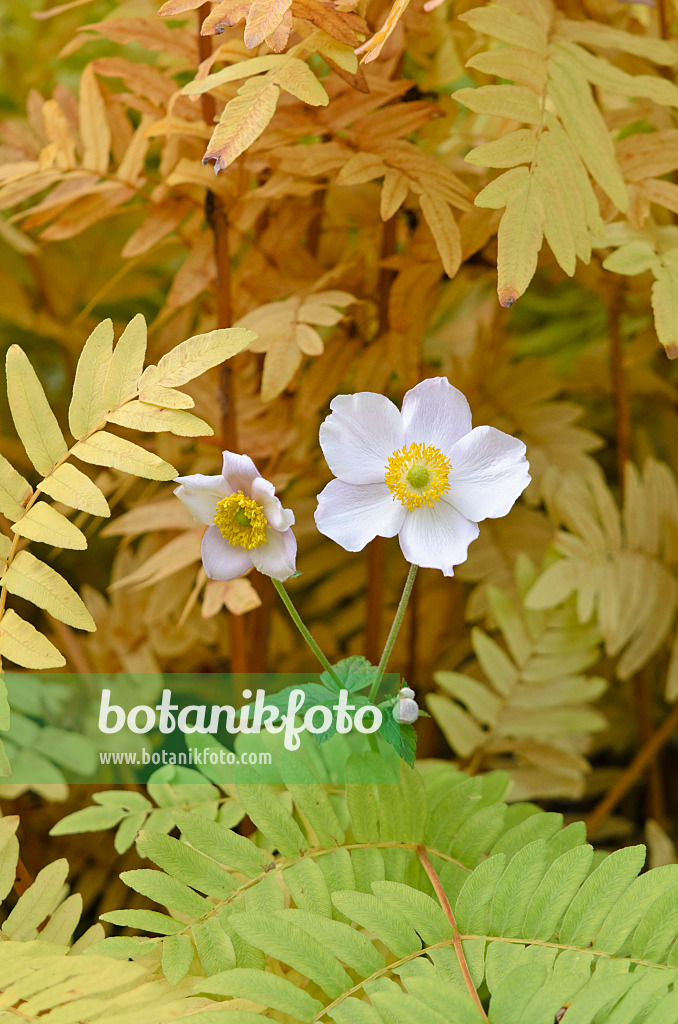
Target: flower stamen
(241, 521)
(418, 475)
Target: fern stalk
(458, 948)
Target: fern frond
(546, 190)
(531, 711)
(620, 565)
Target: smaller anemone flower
(422, 473)
(246, 524)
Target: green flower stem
(397, 623)
(296, 619)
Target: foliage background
(349, 233)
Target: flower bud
(406, 711)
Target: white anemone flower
(422, 473)
(246, 524)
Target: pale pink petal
(359, 437)
(277, 558)
(435, 413)
(278, 517)
(239, 471)
(353, 515)
(222, 560)
(437, 537)
(489, 472)
(200, 494)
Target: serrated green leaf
(177, 957)
(279, 938)
(222, 844)
(214, 947)
(269, 815)
(263, 987)
(380, 918)
(599, 893)
(147, 920)
(167, 891)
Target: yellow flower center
(241, 521)
(418, 475)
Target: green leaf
(188, 865)
(177, 957)
(345, 943)
(421, 911)
(279, 938)
(354, 673)
(167, 891)
(474, 903)
(380, 918)
(147, 920)
(269, 815)
(214, 947)
(263, 987)
(313, 802)
(222, 844)
(599, 893)
(306, 884)
(89, 819)
(402, 737)
(555, 892)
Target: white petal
(437, 537)
(360, 435)
(200, 494)
(352, 515)
(240, 471)
(221, 560)
(278, 517)
(435, 413)
(489, 472)
(277, 558)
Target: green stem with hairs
(395, 628)
(297, 620)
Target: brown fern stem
(217, 218)
(630, 775)
(375, 551)
(458, 946)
